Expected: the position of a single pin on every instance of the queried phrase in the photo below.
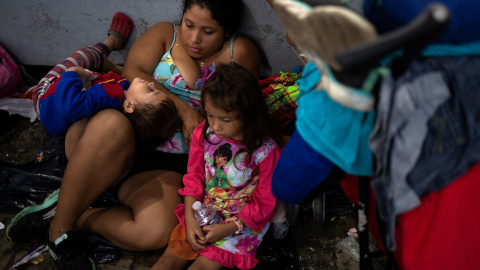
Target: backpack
(10, 76)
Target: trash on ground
(34, 256)
(349, 245)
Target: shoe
(324, 30)
(121, 27)
(33, 221)
(68, 254)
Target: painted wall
(44, 32)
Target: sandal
(121, 27)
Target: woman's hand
(191, 119)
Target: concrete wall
(44, 32)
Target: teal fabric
(337, 132)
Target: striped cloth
(280, 92)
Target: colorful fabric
(60, 98)
(169, 76)
(66, 100)
(280, 92)
(89, 57)
(245, 193)
(336, 132)
(179, 245)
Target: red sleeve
(260, 209)
(194, 180)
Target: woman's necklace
(202, 63)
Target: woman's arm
(141, 61)
(246, 54)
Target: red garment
(248, 197)
(442, 232)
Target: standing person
(236, 120)
(101, 154)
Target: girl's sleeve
(194, 180)
(260, 209)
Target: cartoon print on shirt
(216, 175)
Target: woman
(205, 36)
(101, 149)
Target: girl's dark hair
(234, 88)
(228, 13)
(154, 124)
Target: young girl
(237, 124)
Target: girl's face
(202, 36)
(225, 124)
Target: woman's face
(202, 36)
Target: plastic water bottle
(205, 214)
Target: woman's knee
(155, 239)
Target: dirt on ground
(312, 246)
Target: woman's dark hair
(228, 13)
(234, 88)
(154, 124)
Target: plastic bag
(23, 107)
(10, 75)
(280, 224)
(277, 254)
(350, 246)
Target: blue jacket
(66, 101)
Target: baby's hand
(84, 74)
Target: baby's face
(141, 91)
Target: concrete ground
(314, 245)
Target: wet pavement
(313, 245)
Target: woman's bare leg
(147, 218)
(100, 152)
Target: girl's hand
(194, 234)
(216, 232)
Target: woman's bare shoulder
(246, 54)
(161, 30)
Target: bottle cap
(196, 205)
